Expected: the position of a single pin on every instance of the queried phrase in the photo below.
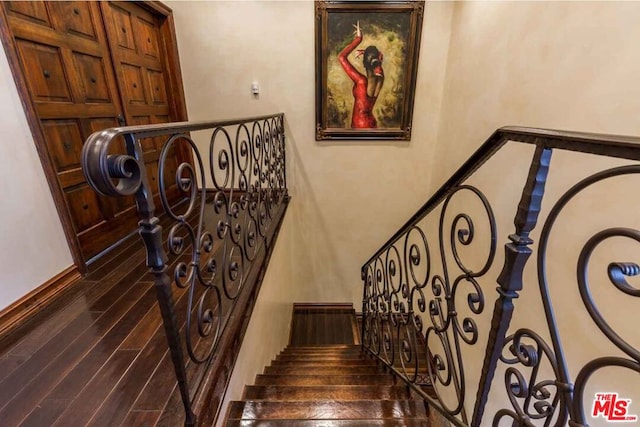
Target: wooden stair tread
(324, 370)
(340, 347)
(267, 379)
(356, 362)
(337, 385)
(324, 392)
(323, 350)
(328, 409)
(314, 357)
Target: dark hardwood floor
(98, 355)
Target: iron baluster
(539, 386)
(517, 252)
(209, 268)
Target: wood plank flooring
(98, 356)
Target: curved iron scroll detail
(558, 400)
(402, 292)
(245, 168)
(230, 194)
(538, 383)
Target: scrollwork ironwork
(396, 302)
(537, 381)
(215, 233)
(568, 397)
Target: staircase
(327, 385)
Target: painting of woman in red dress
(367, 55)
(366, 87)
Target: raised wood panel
(157, 89)
(84, 207)
(69, 73)
(131, 57)
(93, 78)
(34, 11)
(123, 28)
(44, 72)
(74, 17)
(148, 38)
(133, 84)
(27, 30)
(64, 139)
(101, 123)
(152, 174)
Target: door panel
(74, 17)
(132, 87)
(122, 28)
(73, 61)
(134, 35)
(93, 78)
(156, 84)
(65, 142)
(68, 61)
(34, 11)
(84, 206)
(147, 38)
(46, 78)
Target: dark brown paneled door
(68, 61)
(134, 39)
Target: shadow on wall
(312, 231)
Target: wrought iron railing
(223, 205)
(426, 289)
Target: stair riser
(314, 393)
(323, 410)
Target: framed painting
(366, 67)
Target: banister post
(517, 252)
(151, 233)
(363, 275)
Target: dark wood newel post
(517, 252)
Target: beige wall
(268, 330)
(559, 65)
(32, 244)
(562, 65)
(482, 65)
(348, 197)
